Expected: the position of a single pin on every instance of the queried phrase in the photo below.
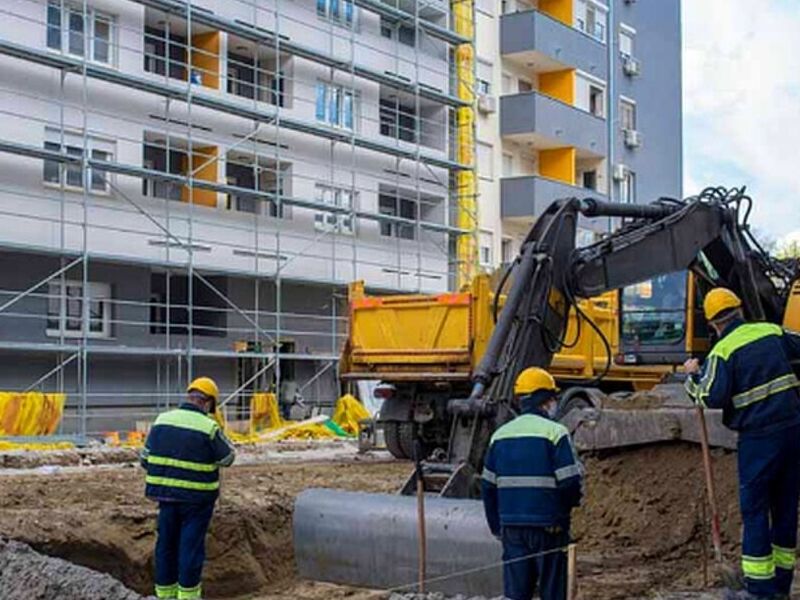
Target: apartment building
(188, 188)
(575, 98)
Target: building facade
(189, 187)
(575, 98)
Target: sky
(741, 91)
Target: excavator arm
(703, 234)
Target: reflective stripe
(765, 390)
(526, 482)
(181, 464)
(784, 558)
(702, 389)
(167, 591)
(180, 483)
(743, 335)
(190, 593)
(188, 419)
(489, 476)
(758, 567)
(568, 471)
(531, 426)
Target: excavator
(371, 540)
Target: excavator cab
(661, 321)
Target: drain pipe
(611, 109)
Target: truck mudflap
(370, 540)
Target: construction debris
(28, 575)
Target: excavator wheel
(399, 438)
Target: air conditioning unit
(631, 66)
(619, 172)
(487, 104)
(632, 137)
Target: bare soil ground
(640, 531)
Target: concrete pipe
(370, 540)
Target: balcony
(550, 123)
(535, 40)
(528, 195)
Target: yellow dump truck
(423, 348)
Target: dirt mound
(640, 531)
(27, 575)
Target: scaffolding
(193, 185)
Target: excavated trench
(640, 531)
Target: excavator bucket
(371, 540)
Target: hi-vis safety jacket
(531, 475)
(748, 374)
(182, 455)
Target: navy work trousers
(181, 548)
(769, 489)
(535, 557)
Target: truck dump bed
(442, 337)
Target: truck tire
(391, 434)
(399, 438)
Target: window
(398, 120)
(71, 174)
(247, 81)
(485, 160)
(336, 105)
(506, 83)
(654, 311)
(627, 114)
(401, 32)
(485, 250)
(340, 198)
(70, 30)
(164, 52)
(65, 309)
(524, 86)
(508, 164)
(597, 100)
(627, 188)
(157, 156)
(584, 237)
(589, 179)
(506, 251)
(484, 77)
(338, 11)
(590, 17)
(268, 178)
(626, 36)
(391, 203)
(209, 311)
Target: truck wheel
(391, 434)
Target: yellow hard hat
(206, 386)
(718, 300)
(532, 380)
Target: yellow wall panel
(204, 165)
(205, 57)
(560, 10)
(559, 85)
(558, 164)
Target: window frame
(395, 230)
(627, 105)
(99, 292)
(334, 222)
(630, 33)
(342, 93)
(582, 25)
(72, 140)
(88, 33)
(627, 187)
(347, 12)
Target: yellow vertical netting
(30, 413)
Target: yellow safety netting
(6, 446)
(349, 411)
(30, 413)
